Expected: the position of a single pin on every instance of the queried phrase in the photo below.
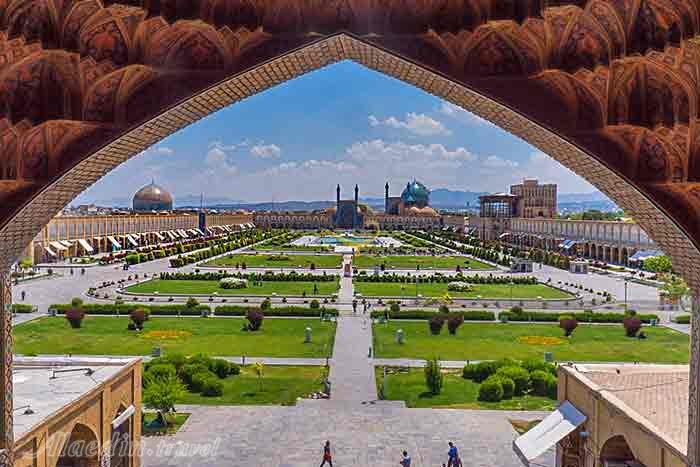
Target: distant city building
(535, 200)
(526, 217)
(411, 210)
(152, 198)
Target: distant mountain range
(440, 198)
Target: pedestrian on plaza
(405, 460)
(71, 271)
(327, 455)
(24, 294)
(453, 456)
(354, 306)
(82, 271)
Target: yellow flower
(540, 340)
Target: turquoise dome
(415, 194)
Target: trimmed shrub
(454, 321)
(568, 324)
(22, 308)
(394, 307)
(76, 302)
(469, 371)
(234, 369)
(192, 303)
(491, 390)
(255, 319)
(198, 380)
(535, 365)
(516, 310)
(163, 371)
(221, 367)
(190, 369)
(266, 304)
(508, 386)
(233, 283)
(580, 317)
(75, 317)
(682, 319)
(552, 387)
(138, 316)
(433, 376)
(474, 315)
(436, 322)
(539, 381)
(483, 370)
(632, 325)
(520, 377)
(314, 305)
(212, 388)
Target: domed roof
(152, 198)
(415, 192)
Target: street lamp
(626, 281)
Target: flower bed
(233, 283)
(459, 287)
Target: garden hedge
(22, 308)
(239, 310)
(155, 310)
(581, 317)
(476, 315)
(682, 319)
(268, 276)
(443, 279)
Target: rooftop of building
(653, 396)
(42, 386)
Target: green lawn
(493, 341)
(196, 287)
(279, 261)
(101, 335)
(280, 385)
(457, 393)
(519, 291)
(425, 262)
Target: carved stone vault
(609, 88)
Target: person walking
(24, 294)
(405, 460)
(453, 456)
(327, 455)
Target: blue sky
(342, 124)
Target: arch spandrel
(608, 88)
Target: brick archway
(607, 88)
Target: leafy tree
(162, 394)
(674, 286)
(658, 264)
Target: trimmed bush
(200, 379)
(682, 319)
(238, 310)
(192, 303)
(535, 365)
(75, 317)
(491, 390)
(580, 317)
(469, 371)
(539, 381)
(255, 319)
(436, 322)
(221, 367)
(632, 325)
(508, 386)
(520, 377)
(76, 302)
(314, 305)
(22, 308)
(483, 370)
(568, 324)
(454, 321)
(162, 371)
(138, 316)
(433, 376)
(190, 369)
(212, 388)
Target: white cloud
(229, 147)
(458, 113)
(164, 151)
(417, 155)
(266, 151)
(218, 164)
(417, 124)
(499, 162)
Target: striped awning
(114, 241)
(66, 243)
(49, 250)
(132, 240)
(58, 246)
(86, 246)
(159, 236)
(171, 235)
(201, 233)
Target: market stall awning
(183, 234)
(86, 246)
(132, 240)
(641, 255)
(49, 250)
(200, 232)
(159, 236)
(555, 427)
(58, 246)
(194, 231)
(66, 243)
(171, 235)
(114, 241)
(504, 235)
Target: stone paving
(370, 436)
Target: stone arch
(81, 449)
(616, 449)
